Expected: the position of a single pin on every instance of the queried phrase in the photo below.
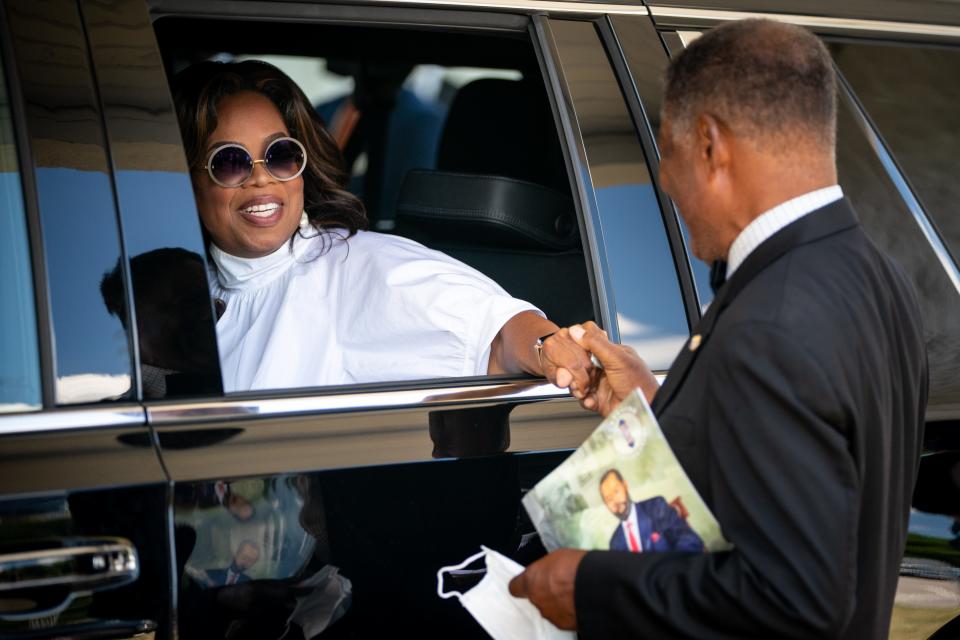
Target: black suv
(137, 499)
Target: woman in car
(308, 296)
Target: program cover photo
(623, 489)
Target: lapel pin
(695, 342)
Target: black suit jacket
(799, 419)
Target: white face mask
(499, 613)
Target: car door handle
(42, 578)
(79, 564)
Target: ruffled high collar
(248, 274)
(245, 274)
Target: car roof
(922, 11)
(926, 12)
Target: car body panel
(340, 504)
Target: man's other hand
(548, 584)
(623, 371)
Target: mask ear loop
(451, 594)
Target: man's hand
(623, 371)
(548, 584)
(565, 363)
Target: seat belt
(344, 122)
(354, 131)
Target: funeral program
(623, 490)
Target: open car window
(449, 140)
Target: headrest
(486, 210)
(503, 128)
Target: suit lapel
(688, 354)
(619, 541)
(833, 218)
(644, 528)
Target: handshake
(570, 357)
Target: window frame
(593, 216)
(643, 92)
(346, 396)
(893, 165)
(30, 107)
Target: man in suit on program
(797, 405)
(648, 525)
(246, 556)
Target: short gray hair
(766, 80)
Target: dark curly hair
(198, 89)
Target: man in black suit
(797, 405)
(648, 525)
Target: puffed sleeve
(415, 313)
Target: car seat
(499, 199)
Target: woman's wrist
(538, 347)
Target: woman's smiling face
(254, 219)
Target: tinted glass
(892, 227)
(650, 313)
(912, 94)
(163, 241)
(75, 197)
(19, 357)
(699, 268)
(647, 58)
(414, 128)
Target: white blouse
(324, 310)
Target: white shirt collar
(771, 221)
(238, 273)
(235, 272)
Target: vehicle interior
(450, 139)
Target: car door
(83, 496)
(330, 510)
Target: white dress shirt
(771, 221)
(325, 310)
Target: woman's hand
(561, 361)
(564, 360)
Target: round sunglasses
(231, 165)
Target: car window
(417, 113)
(891, 225)
(911, 93)
(163, 270)
(450, 140)
(19, 355)
(81, 244)
(650, 313)
(80, 238)
(646, 59)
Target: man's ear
(713, 144)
